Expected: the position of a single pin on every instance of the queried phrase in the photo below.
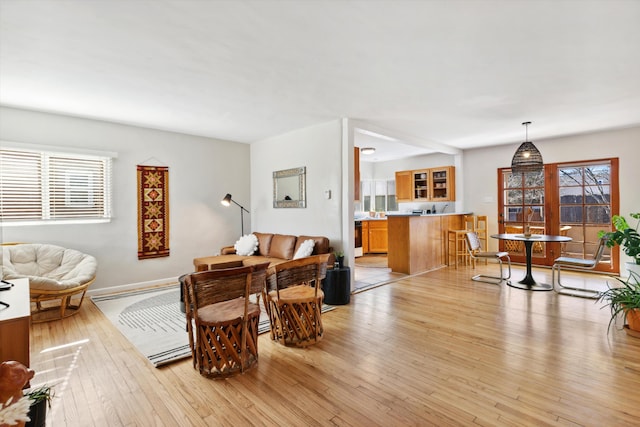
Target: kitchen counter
(419, 243)
(433, 214)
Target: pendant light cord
(526, 131)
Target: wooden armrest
(227, 250)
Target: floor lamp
(227, 202)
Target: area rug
(153, 211)
(152, 321)
(372, 261)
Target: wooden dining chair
(294, 299)
(222, 323)
(476, 253)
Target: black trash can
(337, 286)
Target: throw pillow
(246, 245)
(305, 249)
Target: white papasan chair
(54, 273)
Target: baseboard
(131, 286)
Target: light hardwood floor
(435, 349)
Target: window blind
(45, 186)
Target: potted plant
(624, 299)
(339, 258)
(40, 398)
(628, 239)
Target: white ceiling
(458, 74)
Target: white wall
(318, 148)
(481, 176)
(201, 172)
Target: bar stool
(482, 230)
(456, 239)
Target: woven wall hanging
(153, 211)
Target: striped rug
(152, 321)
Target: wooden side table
(15, 321)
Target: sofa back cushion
(282, 246)
(321, 245)
(264, 243)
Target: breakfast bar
(418, 243)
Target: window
(381, 193)
(41, 186)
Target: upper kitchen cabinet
(426, 185)
(443, 184)
(421, 180)
(404, 186)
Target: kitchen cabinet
(378, 236)
(426, 185)
(442, 183)
(374, 236)
(404, 184)
(421, 179)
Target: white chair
(475, 253)
(579, 264)
(55, 274)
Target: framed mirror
(289, 188)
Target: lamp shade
(227, 200)
(527, 158)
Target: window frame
(44, 192)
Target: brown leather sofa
(272, 248)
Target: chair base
(559, 288)
(296, 324)
(56, 312)
(577, 292)
(217, 351)
(490, 279)
(494, 280)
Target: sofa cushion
(264, 243)
(321, 245)
(282, 246)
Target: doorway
(575, 199)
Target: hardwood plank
(432, 349)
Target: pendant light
(527, 157)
